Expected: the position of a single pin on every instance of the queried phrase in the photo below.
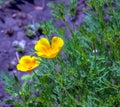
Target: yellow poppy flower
(27, 63)
(44, 49)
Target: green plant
(87, 72)
(32, 29)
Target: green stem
(66, 23)
(71, 97)
(19, 87)
(36, 75)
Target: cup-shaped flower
(45, 49)
(27, 63)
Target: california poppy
(27, 63)
(45, 49)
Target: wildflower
(44, 49)
(27, 63)
(95, 51)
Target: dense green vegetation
(87, 71)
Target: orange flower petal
(21, 68)
(42, 45)
(27, 63)
(24, 59)
(44, 49)
(57, 43)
